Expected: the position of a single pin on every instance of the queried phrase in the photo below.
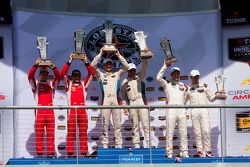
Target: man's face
(76, 77)
(44, 76)
(108, 66)
(175, 75)
(131, 73)
(195, 79)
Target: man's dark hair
(75, 72)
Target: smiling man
(199, 93)
(76, 89)
(110, 86)
(175, 91)
(133, 93)
(43, 91)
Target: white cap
(175, 69)
(107, 60)
(194, 73)
(131, 66)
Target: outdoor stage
(125, 156)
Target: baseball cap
(44, 69)
(175, 69)
(131, 66)
(107, 60)
(194, 73)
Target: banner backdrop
(236, 53)
(195, 41)
(6, 94)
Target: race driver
(43, 91)
(176, 92)
(110, 86)
(133, 93)
(76, 89)
(199, 93)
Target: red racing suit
(76, 94)
(43, 94)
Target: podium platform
(124, 156)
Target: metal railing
(149, 107)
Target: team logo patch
(123, 39)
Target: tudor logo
(95, 138)
(128, 127)
(123, 39)
(150, 89)
(61, 127)
(60, 87)
(94, 118)
(61, 117)
(162, 118)
(149, 79)
(152, 128)
(61, 147)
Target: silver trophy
(108, 30)
(165, 44)
(42, 47)
(79, 38)
(220, 80)
(140, 39)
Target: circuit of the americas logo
(123, 39)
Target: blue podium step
(125, 156)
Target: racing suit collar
(173, 82)
(194, 86)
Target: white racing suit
(110, 86)
(133, 93)
(200, 94)
(176, 93)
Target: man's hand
(85, 60)
(101, 50)
(52, 65)
(71, 57)
(168, 62)
(117, 53)
(37, 61)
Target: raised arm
(123, 62)
(95, 62)
(56, 79)
(65, 69)
(142, 73)
(160, 75)
(91, 72)
(31, 77)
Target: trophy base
(171, 60)
(109, 48)
(78, 55)
(45, 62)
(221, 96)
(146, 54)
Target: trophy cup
(219, 80)
(109, 46)
(79, 37)
(165, 44)
(140, 39)
(42, 47)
